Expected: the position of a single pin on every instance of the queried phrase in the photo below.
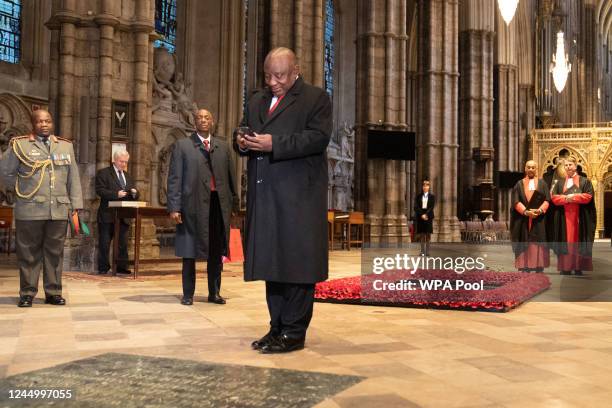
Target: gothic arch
(606, 162)
(525, 21)
(15, 113)
(606, 181)
(582, 161)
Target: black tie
(121, 179)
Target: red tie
(213, 186)
(280, 98)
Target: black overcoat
(520, 233)
(286, 224)
(422, 226)
(189, 192)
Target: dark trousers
(40, 245)
(216, 249)
(424, 238)
(106, 231)
(290, 306)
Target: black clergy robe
(529, 234)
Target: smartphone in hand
(245, 131)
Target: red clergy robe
(573, 260)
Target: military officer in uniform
(43, 170)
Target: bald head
(281, 70)
(281, 53)
(42, 123)
(531, 168)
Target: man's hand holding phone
(241, 137)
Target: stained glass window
(165, 24)
(329, 47)
(10, 30)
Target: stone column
(298, 24)
(476, 150)
(67, 18)
(437, 131)
(599, 186)
(505, 113)
(506, 131)
(381, 105)
(232, 61)
(106, 22)
(142, 137)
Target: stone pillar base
(80, 254)
(149, 245)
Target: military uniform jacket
(46, 179)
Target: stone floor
(545, 353)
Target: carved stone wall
(340, 159)
(14, 121)
(592, 148)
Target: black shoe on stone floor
(102, 272)
(216, 299)
(258, 344)
(187, 301)
(282, 344)
(124, 271)
(578, 273)
(56, 300)
(25, 301)
(565, 273)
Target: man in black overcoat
(424, 204)
(113, 184)
(290, 125)
(201, 196)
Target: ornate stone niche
(14, 121)
(340, 156)
(592, 148)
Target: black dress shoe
(216, 299)
(102, 272)
(187, 301)
(56, 300)
(258, 344)
(578, 273)
(25, 301)
(282, 344)
(124, 271)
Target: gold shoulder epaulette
(64, 139)
(15, 138)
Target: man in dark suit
(423, 217)
(113, 184)
(290, 124)
(201, 195)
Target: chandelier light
(507, 8)
(560, 66)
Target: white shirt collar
(202, 138)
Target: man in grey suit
(43, 169)
(201, 195)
